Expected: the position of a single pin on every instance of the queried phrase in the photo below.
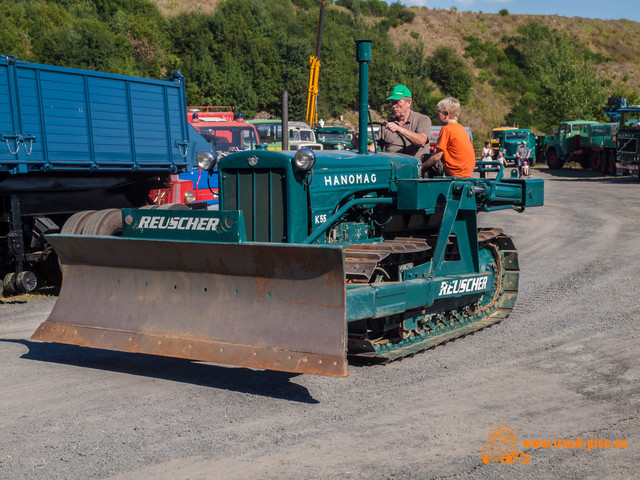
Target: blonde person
(454, 155)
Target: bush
(451, 74)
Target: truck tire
(76, 222)
(9, 284)
(611, 162)
(595, 161)
(605, 162)
(585, 163)
(553, 160)
(104, 222)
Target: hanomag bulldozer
(311, 255)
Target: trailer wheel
(595, 160)
(76, 222)
(606, 170)
(611, 162)
(553, 161)
(9, 284)
(104, 222)
(26, 281)
(584, 163)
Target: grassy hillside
(618, 40)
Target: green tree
(451, 74)
(568, 86)
(570, 89)
(85, 43)
(14, 40)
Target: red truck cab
(226, 133)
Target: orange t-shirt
(459, 157)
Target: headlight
(304, 159)
(189, 197)
(206, 161)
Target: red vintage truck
(226, 133)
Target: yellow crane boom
(314, 73)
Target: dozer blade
(279, 307)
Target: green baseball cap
(398, 92)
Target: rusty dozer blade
(271, 306)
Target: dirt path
(565, 364)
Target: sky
(603, 9)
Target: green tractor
(313, 255)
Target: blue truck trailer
(74, 142)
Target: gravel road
(565, 364)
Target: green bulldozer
(313, 256)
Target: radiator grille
(628, 145)
(260, 194)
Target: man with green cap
(408, 131)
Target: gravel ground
(565, 364)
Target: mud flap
(271, 306)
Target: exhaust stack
(363, 55)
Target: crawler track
(501, 258)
